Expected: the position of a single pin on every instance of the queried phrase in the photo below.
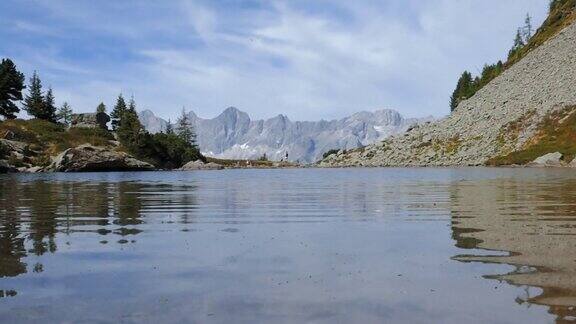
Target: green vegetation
(101, 108)
(11, 86)
(38, 104)
(562, 13)
(330, 152)
(64, 114)
(48, 139)
(166, 150)
(556, 133)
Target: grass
(556, 133)
(48, 139)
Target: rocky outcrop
(573, 163)
(199, 165)
(91, 158)
(234, 135)
(90, 120)
(5, 167)
(501, 118)
(548, 160)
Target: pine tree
(169, 128)
(118, 111)
(49, 111)
(518, 44)
(464, 89)
(64, 114)
(527, 31)
(184, 129)
(34, 101)
(11, 86)
(131, 132)
(101, 108)
(132, 105)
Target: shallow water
(283, 246)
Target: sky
(307, 59)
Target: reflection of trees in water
(33, 213)
(536, 223)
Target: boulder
(573, 163)
(199, 165)
(550, 159)
(88, 158)
(90, 120)
(5, 167)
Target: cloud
(308, 60)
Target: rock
(199, 165)
(5, 167)
(35, 169)
(550, 159)
(90, 120)
(87, 158)
(573, 163)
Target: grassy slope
(49, 139)
(556, 133)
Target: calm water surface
(285, 246)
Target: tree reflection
(34, 214)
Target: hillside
(234, 135)
(512, 113)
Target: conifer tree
(184, 128)
(34, 101)
(64, 114)
(11, 86)
(101, 108)
(118, 111)
(464, 90)
(169, 128)
(527, 29)
(49, 110)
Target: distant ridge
(234, 135)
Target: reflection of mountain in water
(33, 213)
(535, 223)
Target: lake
(474, 245)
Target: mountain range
(234, 135)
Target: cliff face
(501, 118)
(234, 135)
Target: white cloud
(307, 60)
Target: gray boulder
(88, 158)
(550, 159)
(573, 163)
(90, 120)
(199, 165)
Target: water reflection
(32, 213)
(528, 224)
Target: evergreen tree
(118, 111)
(169, 128)
(518, 44)
(101, 108)
(64, 114)
(464, 90)
(49, 111)
(184, 128)
(528, 30)
(132, 105)
(34, 101)
(11, 86)
(131, 133)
